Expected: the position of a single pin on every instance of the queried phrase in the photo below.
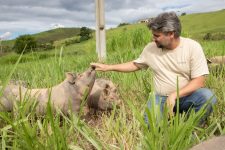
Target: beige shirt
(186, 62)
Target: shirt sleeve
(199, 65)
(141, 61)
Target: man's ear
(70, 77)
(171, 34)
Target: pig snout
(90, 72)
(91, 75)
(86, 79)
(88, 75)
(93, 67)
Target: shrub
(123, 24)
(85, 34)
(45, 46)
(25, 41)
(72, 41)
(183, 14)
(208, 36)
(214, 36)
(5, 49)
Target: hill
(208, 26)
(195, 25)
(56, 34)
(202, 23)
(50, 36)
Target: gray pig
(216, 60)
(216, 65)
(103, 95)
(64, 96)
(216, 143)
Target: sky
(18, 17)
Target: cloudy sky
(19, 17)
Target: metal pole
(100, 30)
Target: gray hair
(166, 22)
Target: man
(170, 57)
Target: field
(123, 128)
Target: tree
(26, 43)
(123, 24)
(85, 34)
(183, 14)
(208, 36)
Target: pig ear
(209, 61)
(106, 91)
(107, 86)
(70, 77)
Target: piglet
(103, 95)
(65, 96)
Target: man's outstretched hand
(100, 67)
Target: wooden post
(100, 30)
(1, 52)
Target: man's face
(162, 40)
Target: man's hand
(171, 101)
(100, 67)
(124, 67)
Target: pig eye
(72, 82)
(106, 91)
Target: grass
(123, 128)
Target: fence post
(100, 30)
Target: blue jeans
(195, 101)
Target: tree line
(27, 43)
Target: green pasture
(124, 127)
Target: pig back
(66, 96)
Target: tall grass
(128, 39)
(123, 128)
(23, 129)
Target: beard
(159, 45)
(162, 44)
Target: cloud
(57, 25)
(31, 16)
(5, 35)
(78, 5)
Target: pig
(216, 143)
(103, 95)
(216, 60)
(65, 96)
(216, 65)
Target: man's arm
(192, 86)
(124, 67)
